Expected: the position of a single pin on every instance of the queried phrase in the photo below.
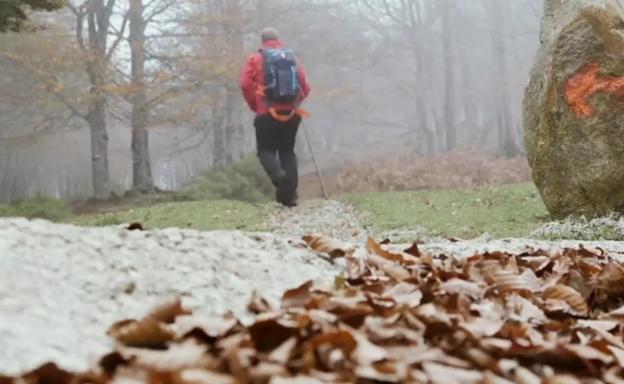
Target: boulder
(574, 108)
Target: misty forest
(310, 192)
(113, 95)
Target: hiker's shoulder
(254, 57)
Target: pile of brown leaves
(396, 317)
(446, 171)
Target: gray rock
(574, 108)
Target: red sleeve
(303, 80)
(247, 82)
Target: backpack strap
(286, 118)
(261, 90)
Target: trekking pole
(318, 169)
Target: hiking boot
(294, 201)
(282, 191)
(290, 203)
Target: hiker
(274, 84)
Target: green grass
(243, 181)
(41, 208)
(200, 215)
(237, 196)
(506, 211)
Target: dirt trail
(330, 218)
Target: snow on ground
(61, 286)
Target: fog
(110, 95)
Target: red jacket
(252, 82)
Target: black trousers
(276, 151)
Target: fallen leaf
(297, 297)
(413, 250)
(168, 311)
(258, 304)
(332, 247)
(480, 327)
(508, 282)
(522, 310)
(376, 249)
(136, 226)
(441, 374)
(603, 326)
(239, 361)
(525, 376)
(392, 269)
(367, 353)
(204, 327)
(264, 371)
(49, 374)
(618, 354)
(562, 379)
(110, 362)
(536, 263)
(405, 294)
(147, 333)
(283, 353)
(586, 352)
(201, 376)
(570, 296)
(385, 372)
(177, 357)
(268, 334)
(296, 380)
(460, 286)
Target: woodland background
(106, 96)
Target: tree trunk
(469, 104)
(98, 16)
(218, 141)
(420, 120)
(449, 76)
(99, 149)
(506, 138)
(141, 166)
(234, 134)
(230, 127)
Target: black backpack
(280, 75)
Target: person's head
(269, 34)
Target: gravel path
(61, 286)
(330, 218)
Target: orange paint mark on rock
(587, 82)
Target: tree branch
(120, 37)
(159, 11)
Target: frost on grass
(604, 228)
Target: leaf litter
(392, 317)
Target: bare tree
(506, 140)
(449, 74)
(97, 55)
(141, 166)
